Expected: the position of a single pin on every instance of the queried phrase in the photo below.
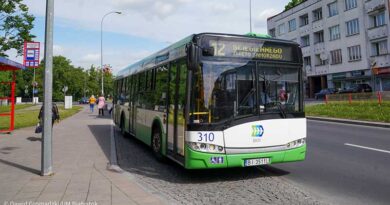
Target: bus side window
(161, 87)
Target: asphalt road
(219, 186)
(345, 164)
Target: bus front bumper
(201, 160)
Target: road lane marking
(370, 148)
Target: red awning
(8, 65)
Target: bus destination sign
(256, 50)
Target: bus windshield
(222, 91)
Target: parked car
(357, 88)
(323, 93)
(83, 100)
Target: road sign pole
(46, 163)
(33, 94)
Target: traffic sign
(31, 53)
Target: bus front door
(176, 120)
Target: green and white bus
(216, 101)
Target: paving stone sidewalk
(81, 151)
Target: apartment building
(343, 42)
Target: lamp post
(101, 45)
(250, 16)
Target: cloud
(156, 20)
(58, 50)
(149, 8)
(261, 18)
(90, 58)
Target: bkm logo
(257, 130)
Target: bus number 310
(206, 137)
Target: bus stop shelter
(7, 94)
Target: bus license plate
(256, 162)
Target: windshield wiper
(279, 106)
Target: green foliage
(292, 4)
(15, 26)
(360, 110)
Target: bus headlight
(204, 147)
(296, 143)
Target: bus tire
(157, 144)
(122, 126)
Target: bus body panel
(265, 133)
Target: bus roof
(178, 50)
(158, 57)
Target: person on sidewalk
(92, 101)
(55, 116)
(101, 104)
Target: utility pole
(46, 163)
(250, 16)
(33, 84)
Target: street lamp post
(101, 45)
(250, 16)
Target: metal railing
(353, 97)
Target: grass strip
(29, 118)
(7, 108)
(361, 110)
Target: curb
(352, 122)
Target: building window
(272, 32)
(332, 7)
(378, 19)
(319, 37)
(336, 56)
(305, 41)
(292, 25)
(319, 61)
(317, 14)
(379, 48)
(306, 61)
(281, 29)
(354, 53)
(304, 20)
(334, 32)
(352, 27)
(350, 4)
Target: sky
(143, 28)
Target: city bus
(216, 101)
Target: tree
(292, 4)
(15, 26)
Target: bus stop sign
(31, 53)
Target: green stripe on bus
(200, 160)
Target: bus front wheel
(156, 144)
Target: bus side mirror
(192, 56)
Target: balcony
(374, 5)
(377, 32)
(381, 60)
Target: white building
(343, 42)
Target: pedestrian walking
(101, 104)
(55, 116)
(92, 101)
